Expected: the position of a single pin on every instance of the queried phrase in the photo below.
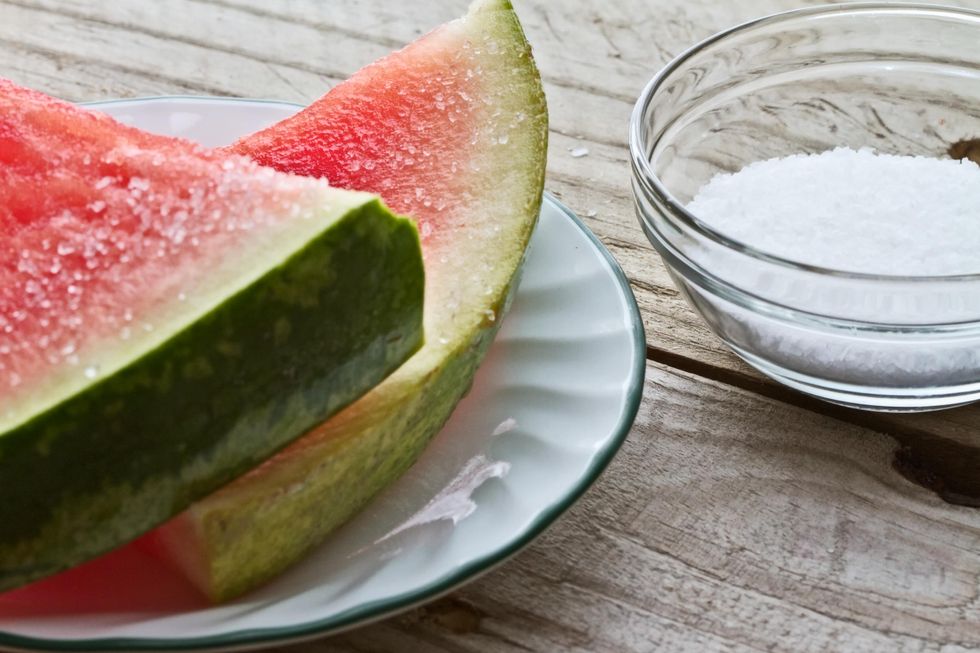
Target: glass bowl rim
(650, 182)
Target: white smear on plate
(453, 502)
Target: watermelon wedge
(169, 318)
(453, 131)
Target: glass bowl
(900, 78)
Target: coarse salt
(853, 210)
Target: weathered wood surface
(737, 518)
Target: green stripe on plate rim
(375, 610)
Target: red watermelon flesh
(429, 128)
(451, 130)
(403, 127)
(121, 210)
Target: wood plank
(162, 61)
(729, 522)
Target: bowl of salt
(806, 178)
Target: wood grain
(740, 516)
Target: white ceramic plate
(549, 408)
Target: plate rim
(381, 608)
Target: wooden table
(739, 516)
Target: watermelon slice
(453, 131)
(170, 317)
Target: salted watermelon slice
(169, 317)
(453, 131)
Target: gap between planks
(919, 458)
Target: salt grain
(139, 184)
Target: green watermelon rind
(312, 334)
(247, 539)
(253, 529)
